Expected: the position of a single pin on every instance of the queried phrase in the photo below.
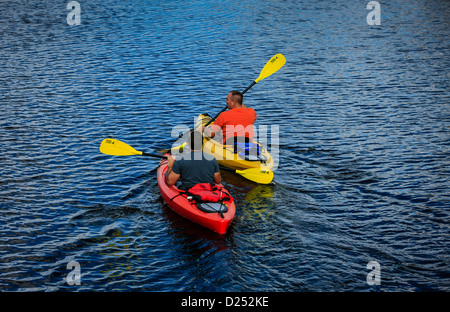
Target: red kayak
(215, 216)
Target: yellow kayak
(226, 156)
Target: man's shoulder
(238, 111)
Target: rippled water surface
(363, 150)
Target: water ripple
(362, 152)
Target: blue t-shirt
(194, 168)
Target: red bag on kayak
(209, 193)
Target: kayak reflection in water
(193, 168)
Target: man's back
(194, 168)
(236, 122)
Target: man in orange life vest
(193, 168)
(237, 123)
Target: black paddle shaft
(154, 155)
(224, 109)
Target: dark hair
(195, 140)
(237, 96)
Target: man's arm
(209, 132)
(171, 177)
(217, 178)
(213, 129)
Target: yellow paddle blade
(274, 64)
(117, 148)
(257, 175)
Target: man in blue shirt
(193, 168)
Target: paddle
(119, 148)
(273, 65)
(253, 174)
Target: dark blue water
(363, 152)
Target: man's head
(234, 99)
(195, 140)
